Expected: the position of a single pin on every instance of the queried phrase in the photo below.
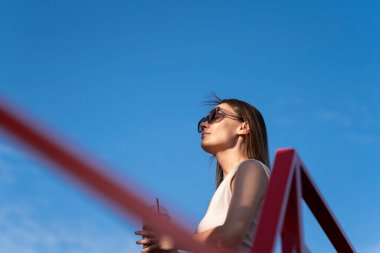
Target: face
(223, 134)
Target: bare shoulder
(250, 172)
(247, 191)
(251, 168)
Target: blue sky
(124, 80)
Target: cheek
(225, 132)
(227, 139)
(219, 135)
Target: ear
(244, 128)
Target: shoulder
(250, 172)
(252, 167)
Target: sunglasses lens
(211, 116)
(215, 116)
(200, 129)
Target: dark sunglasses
(216, 115)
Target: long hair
(255, 142)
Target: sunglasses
(216, 115)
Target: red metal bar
(292, 230)
(281, 208)
(92, 177)
(273, 211)
(323, 214)
(289, 179)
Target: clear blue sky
(124, 80)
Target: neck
(230, 158)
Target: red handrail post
(274, 206)
(289, 183)
(323, 214)
(292, 231)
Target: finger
(147, 241)
(150, 248)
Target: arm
(248, 188)
(215, 236)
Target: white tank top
(217, 210)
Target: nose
(204, 125)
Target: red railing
(289, 183)
(94, 178)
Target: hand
(154, 242)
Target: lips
(203, 134)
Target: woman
(234, 132)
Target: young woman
(234, 132)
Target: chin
(207, 147)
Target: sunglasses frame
(211, 117)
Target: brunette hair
(256, 141)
